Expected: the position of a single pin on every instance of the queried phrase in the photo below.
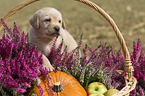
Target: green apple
(96, 88)
(111, 92)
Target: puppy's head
(48, 21)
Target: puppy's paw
(47, 64)
(49, 67)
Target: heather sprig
(20, 62)
(100, 64)
(138, 62)
(93, 65)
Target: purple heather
(20, 90)
(138, 62)
(100, 64)
(20, 62)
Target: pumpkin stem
(57, 87)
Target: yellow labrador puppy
(46, 25)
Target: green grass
(80, 18)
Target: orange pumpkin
(62, 85)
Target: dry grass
(79, 19)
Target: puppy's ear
(63, 24)
(34, 21)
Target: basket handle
(128, 64)
(130, 80)
(15, 9)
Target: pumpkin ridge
(70, 85)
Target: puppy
(46, 25)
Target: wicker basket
(130, 80)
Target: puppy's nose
(57, 28)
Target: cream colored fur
(45, 24)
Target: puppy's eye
(48, 20)
(59, 21)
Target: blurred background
(129, 15)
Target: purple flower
(94, 64)
(20, 62)
(20, 90)
(138, 61)
(100, 64)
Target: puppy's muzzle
(57, 30)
